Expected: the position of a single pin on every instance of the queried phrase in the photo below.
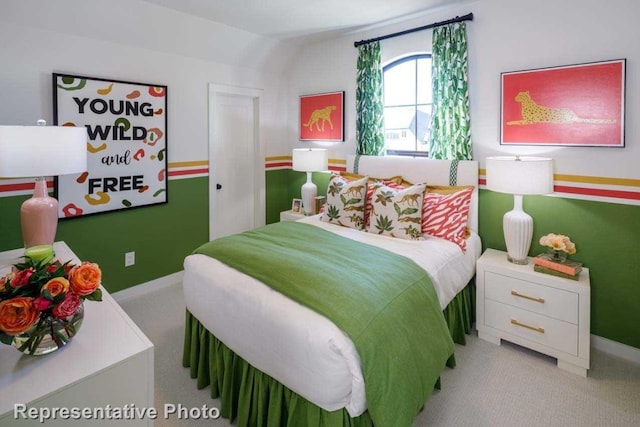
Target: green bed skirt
(254, 399)
(461, 313)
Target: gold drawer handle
(524, 325)
(536, 299)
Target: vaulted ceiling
(299, 18)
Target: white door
(232, 165)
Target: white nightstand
(291, 216)
(545, 313)
(109, 362)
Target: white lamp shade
(519, 174)
(35, 151)
(310, 159)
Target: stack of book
(544, 263)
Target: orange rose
(85, 278)
(17, 315)
(56, 286)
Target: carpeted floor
(492, 385)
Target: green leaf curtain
(369, 103)
(450, 128)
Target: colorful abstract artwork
(126, 147)
(322, 117)
(571, 105)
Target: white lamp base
(308, 191)
(518, 229)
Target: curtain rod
(467, 17)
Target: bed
(274, 361)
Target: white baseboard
(145, 288)
(615, 348)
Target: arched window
(407, 105)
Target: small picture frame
(296, 206)
(318, 203)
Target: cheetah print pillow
(397, 213)
(345, 202)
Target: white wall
(505, 35)
(139, 42)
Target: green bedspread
(383, 301)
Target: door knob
(218, 187)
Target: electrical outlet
(129, 259)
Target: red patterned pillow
(445, 215)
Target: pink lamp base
(39, 217)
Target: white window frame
(412, 57)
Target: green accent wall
(606, 236)
(277, 194)
(161, 235)
(283, 185)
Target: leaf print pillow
(397, 213)
(393, 182)
(345, 202)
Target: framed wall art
(570, 105)
(127, 144)
(322, 117)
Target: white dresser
(545, 313)
(109, 362)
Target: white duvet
(293, 344)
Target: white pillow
(397, 213)
(345, 202)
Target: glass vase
(557, 256)
(49, 334)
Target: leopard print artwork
(534, 113)
(320, 116)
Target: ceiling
(298, 18)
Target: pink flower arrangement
(558, 243)
(35, 293)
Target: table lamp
(41, 151)
(309, 160)
(519, 176)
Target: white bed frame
(418, 170)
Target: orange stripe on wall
(585, 179)
(276, 158)
(585, 191)
(188, 164)
(286, 161)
